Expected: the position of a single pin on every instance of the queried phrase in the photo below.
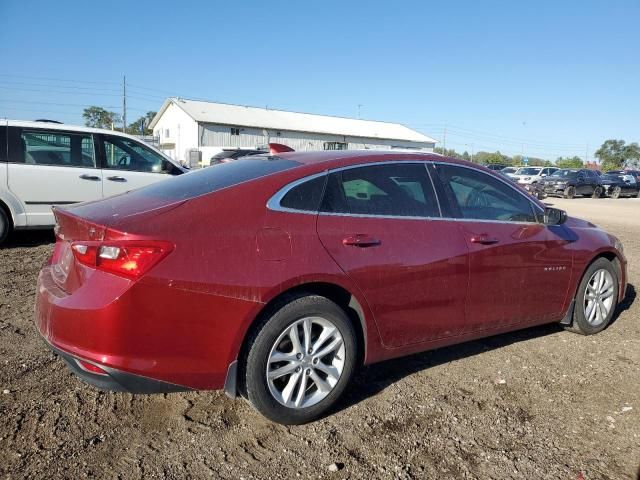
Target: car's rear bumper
(113, 379)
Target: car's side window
(51, 147)
(475, 195)
(305, 196)
(124, 154)
(399, 189)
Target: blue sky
(545, 77)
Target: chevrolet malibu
(274, 277)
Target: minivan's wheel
(5, 226)
(597, 192)
(570, 192)
(596, 298)
(615, 193)
(300, 360)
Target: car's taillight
(129, 259)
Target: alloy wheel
(305, 362)
(598, 297)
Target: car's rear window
(216, 177)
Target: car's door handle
(117, 179)
(89, 177)
(484, 239)
(360, 240)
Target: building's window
(335, 145)
(166, 133)
(235, 131)
(278, 134)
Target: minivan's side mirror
(554, 216)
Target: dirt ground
(539, 403)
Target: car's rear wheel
(570, 192)
(5, 226)
(596, 298)
(615, 193)
(300, 360)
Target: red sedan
(274, 277)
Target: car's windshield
(565, 174)
(528, 171)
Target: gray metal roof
(227, 114)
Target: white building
(183, 126)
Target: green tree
(615, 154)
(135, 127)
(569, 162)
(98, 117)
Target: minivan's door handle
(360, 240)
(484, 239)
(89, 177)
(117, 179)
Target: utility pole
(586, 155)
(124, 103)
(444, 140)
(359, 107)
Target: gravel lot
(540, 403)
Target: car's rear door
(128, 164)
(519, 268)
(49, 167)
(381, 224)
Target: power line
(58, 79)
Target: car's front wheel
(300, 359)
(597, 192)
(596, 298)
(570, 192)
(615, 193)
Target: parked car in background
(274, 277)
(495, 166)
(508, 170)
(49, 164)
(568, 183)
(619, 185)
(532, 175)
(634, 173)
(230, 154)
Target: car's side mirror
(554, 216)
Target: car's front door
(519, 268)
(381, 224)
(584, 184)
(127, 165)
(50, 167)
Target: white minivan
(44, 164)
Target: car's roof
(337, 158)
(65, 126)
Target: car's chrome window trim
(274, 202)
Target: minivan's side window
(50, 147)
(401, 189)
(3, 144)
(124, 154)
(477, 196)
(305, 196)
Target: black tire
(5, 226)
(580, 324)
(597, 192)
(615, 193)
(569, 192)
(263, 339)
